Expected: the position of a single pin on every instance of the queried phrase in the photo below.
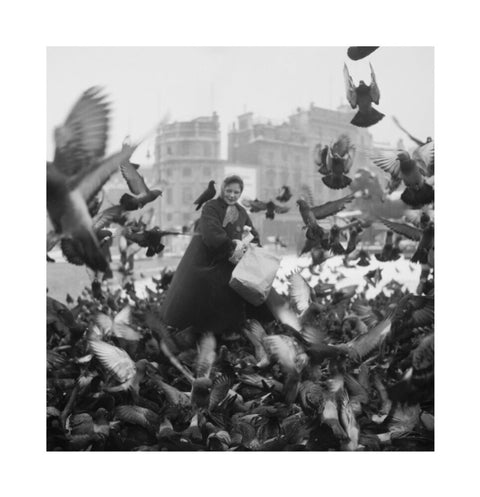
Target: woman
(199, 294)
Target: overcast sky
(146, 83)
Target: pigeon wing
(364, 344)
(299, 292)
(332, 207)
(70, 251)
(306, 194)
(114, 360)
(424, 312)
(281, 209)
(374, 89)
(114, 214)
(83, 137)
(403, 229)
(257, 206)
(92, 181)
(121, 325)
(220, 389)
(137, 415)
(349, 87)
(388, 162)
(282, 351)
(425, 157)
(206, 355)
(105, 323)
(134, 179)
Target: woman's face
(231, 193)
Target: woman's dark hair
(233, 179)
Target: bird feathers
(134, 179)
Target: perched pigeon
(207, 195)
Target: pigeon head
(403, 156)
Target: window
(169, 217)
(184, 148)
(186, 171)
(270, 157)
(169, 151)
(298, 160)
(168, 173)
(207, 149)
(284, 175)
(187, 197)
(186, 218)
(169, 196)
(207, 171)
(284, 155)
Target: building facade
(284, 155)
(187, 157)
(266, 155)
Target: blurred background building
(267, 155)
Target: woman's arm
(212, 232)
(256, 236)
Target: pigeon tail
(418, 198)
(363, 263)
(364, 120)
(336, 182)
(155, 250)
(421, 255)
(337, 248)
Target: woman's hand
(240, 249)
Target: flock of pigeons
(333, 370)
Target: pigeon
(353, 238)
(202, 384)
(285, 194)
(363, 345)
(335, 162)
(78, 172)
(357, 53)
(151, 239)
(363, 258)
(335, 246)
(137, 186)
(373, 277)
(270, 207)
(362, 97)
(412, 170)
(309, 218)
(417, 383)
(255, 334)
(206, 195)
(292, 361)
(118, 365)
(425, 237)
(387, 253)
(119, 326)
(416, 140)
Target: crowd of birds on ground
(332, 371)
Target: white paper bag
(253, 276)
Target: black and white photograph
(240, 226)
(240, 249)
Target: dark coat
(199, 294)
